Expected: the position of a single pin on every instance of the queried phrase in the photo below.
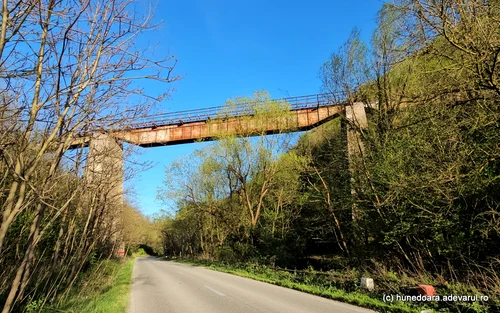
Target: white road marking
(216, 291)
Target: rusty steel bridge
(209, 123)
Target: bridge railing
(205, 114)
(197, 115)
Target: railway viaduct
(105, 153)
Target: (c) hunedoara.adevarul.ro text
(447, 298)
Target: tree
(430, 166)
(347, 70)
(66, 68)
(229, 185)
(251, 162)
(282, 207)
(469, 29)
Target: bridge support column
(104, 173)
(357, 122)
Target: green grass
(285, 279)
(106, 290)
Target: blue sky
(233, 48)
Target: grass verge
(286, 279)
(106, 289)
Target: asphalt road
(164, 286)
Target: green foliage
(34, 306)
(227, 255)
(312, 282)
(238, 190)
(140, 231)
(106, 288)
(93, 258)
(420, 204)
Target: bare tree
(464, 32)
(66, 68)
(347, 70)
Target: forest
(422, 198)
(66, 68)
(419, 203)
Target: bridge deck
(210, 123)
